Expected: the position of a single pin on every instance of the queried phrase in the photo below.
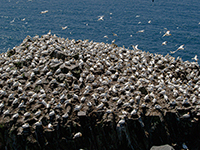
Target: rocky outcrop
(61, 94)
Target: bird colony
(56, 78)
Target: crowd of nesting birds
(58, 78)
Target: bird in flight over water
(100, 18)
(167, 33)
(180, 48)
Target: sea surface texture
(136, 22)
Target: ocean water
(19, 18)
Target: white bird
(185, 116)
(63, 28)
(26, 125)
(38, 113)
(164, 43)
(43, 12)
(77, 135)
(13, 20)
(39, 123)
(15, 115)
(195, 58)
(149, 21)
(180, 48)
(113, 41)
(27, 114)
(50, 126)
(100, 18)
(167, 33)
(135, 47)
(141, 31)
(21, 104)
(2, 105)
(105, 36)
(49, 33)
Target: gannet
(114, 34)
(180, 48)
(167, 33)
(141, 31)
(195, 58)
(164, 43)
(135, 47)
(43, 12)
(100, 18)
(13, 20)
(113, 41)
(77, 135)
(63, 28)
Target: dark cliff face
(100, 131)
(66, 94)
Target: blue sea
(19, 18)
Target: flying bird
(105, 36)
(13, 20)
(180, 48)
(43, 12)
(167, 33)
(141, 31)
(195, 58)
(100, 18)
(135, 47)
(63, 28)
(164, 43)
(113, 41)
(114, 34)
